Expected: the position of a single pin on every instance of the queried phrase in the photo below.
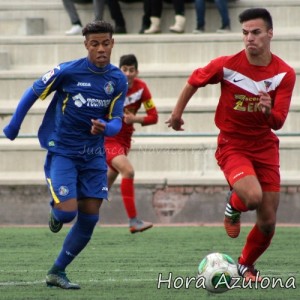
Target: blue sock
(77, 238)
(64, 216)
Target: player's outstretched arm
(11, 131)
(175, 121)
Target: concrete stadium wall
(26, 205)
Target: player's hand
(10, 132)
(129, 117)
(265, 103)
(98, 126)
(175, 123)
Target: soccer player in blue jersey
(87, 105)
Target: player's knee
(267, 222)
(90, 220)
(253, 199)
(267, 227)
(87, 222)
(128, 173)
(64, 216)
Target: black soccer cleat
(54, 225)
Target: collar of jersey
(96, 69)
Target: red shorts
(238, 158)
(114, 148)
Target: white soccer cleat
(136, 225)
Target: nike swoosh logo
(237, 80)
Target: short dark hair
(257, 13)
(98, 26)
(128, 60)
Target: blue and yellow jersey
(82, 92)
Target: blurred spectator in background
(222, 6)
(117, 15)
(153, 8)
(179, 24)
(146, 17)
(70, 8)
(98, 6)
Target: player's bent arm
(152, 115)
(282, 102)
(184, 97)
(151, 118)
(277, 116)
(113, 127)
(175, 121)
(11, 131)
(107, 128)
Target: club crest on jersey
(267, 84)
(63, 190)
(109, 88)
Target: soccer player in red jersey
(117, 147)
(256, 90)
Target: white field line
(21, 283)
(38, 282)
(112, 279)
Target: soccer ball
(218, 270)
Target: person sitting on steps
(155, 10)
(98, 6)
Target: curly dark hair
(98, 26)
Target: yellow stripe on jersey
(56, 200)
(112, 105)
(46, 91)
(65, 103)
(149, 104)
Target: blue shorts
(69, 178)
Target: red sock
(237, 203)
(127, 191)
(256, 244)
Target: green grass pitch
(119, 265)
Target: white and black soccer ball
(218, 271)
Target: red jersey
(137, 95)
(237, 113)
